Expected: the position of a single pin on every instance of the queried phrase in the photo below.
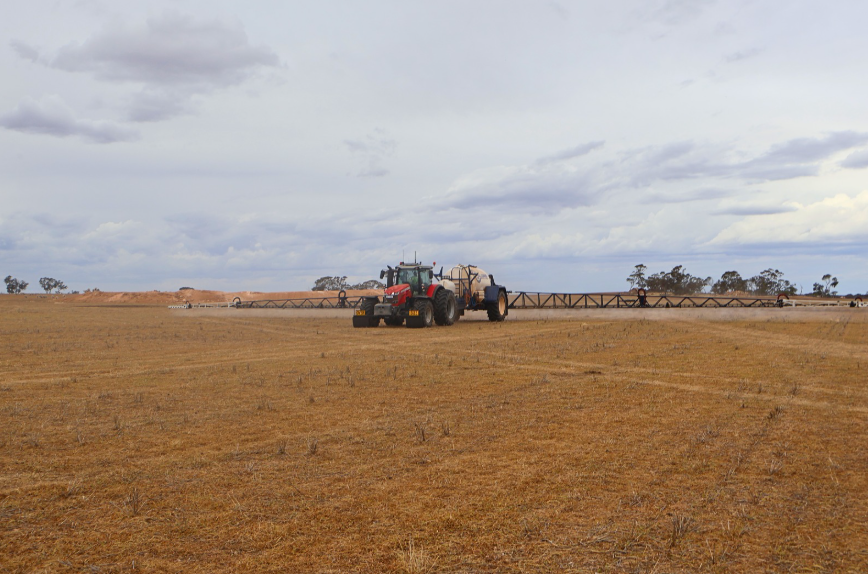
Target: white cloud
(838, 219)
(111, 230)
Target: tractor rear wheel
(444, 307)
(497, 311)
(426, 314)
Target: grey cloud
(7, 242)
(356, 146)
(171, 49)
(151, 105)
(373, 148)
(745, 210)
(25, 51)
(219, 234)
(377, 142)
(675, 161)
(571, 153)
(724, 29)
(856, 160)
(739, 56)
(760, 172)
(60, 225)
(373, 172)
(397, 226)
(694, 195)
(670, 152)
(216, 235)
(526, 190)
(802, 150)
(799, 157)
(51, 116)
(546, 186)
(173, 56)
(559, 10)
(674, 12)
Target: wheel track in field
(623, 374)
(792, 342)
(222, 358)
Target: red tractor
(413, 298)
(411, 295)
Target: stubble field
(144, 439)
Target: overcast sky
(260, 145)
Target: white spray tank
(468, 282)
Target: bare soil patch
(229, 440)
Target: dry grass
(140, 438)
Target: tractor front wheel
(425, 318)
(368, 319)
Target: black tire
(426, 314)
(444, 307)
(368, 306)
(394, 321)
(498, 310)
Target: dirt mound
(191, 296)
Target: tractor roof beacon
(413, 298)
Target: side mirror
(430, 274)
(382, 273)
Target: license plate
(360, 312)
(414, 313)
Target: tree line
(338, 283)
(15, 286)
(769, 282)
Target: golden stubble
(137, 438)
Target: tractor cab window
(418, 279)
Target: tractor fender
(491, 293)
(432, 289)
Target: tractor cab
(418, 277)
